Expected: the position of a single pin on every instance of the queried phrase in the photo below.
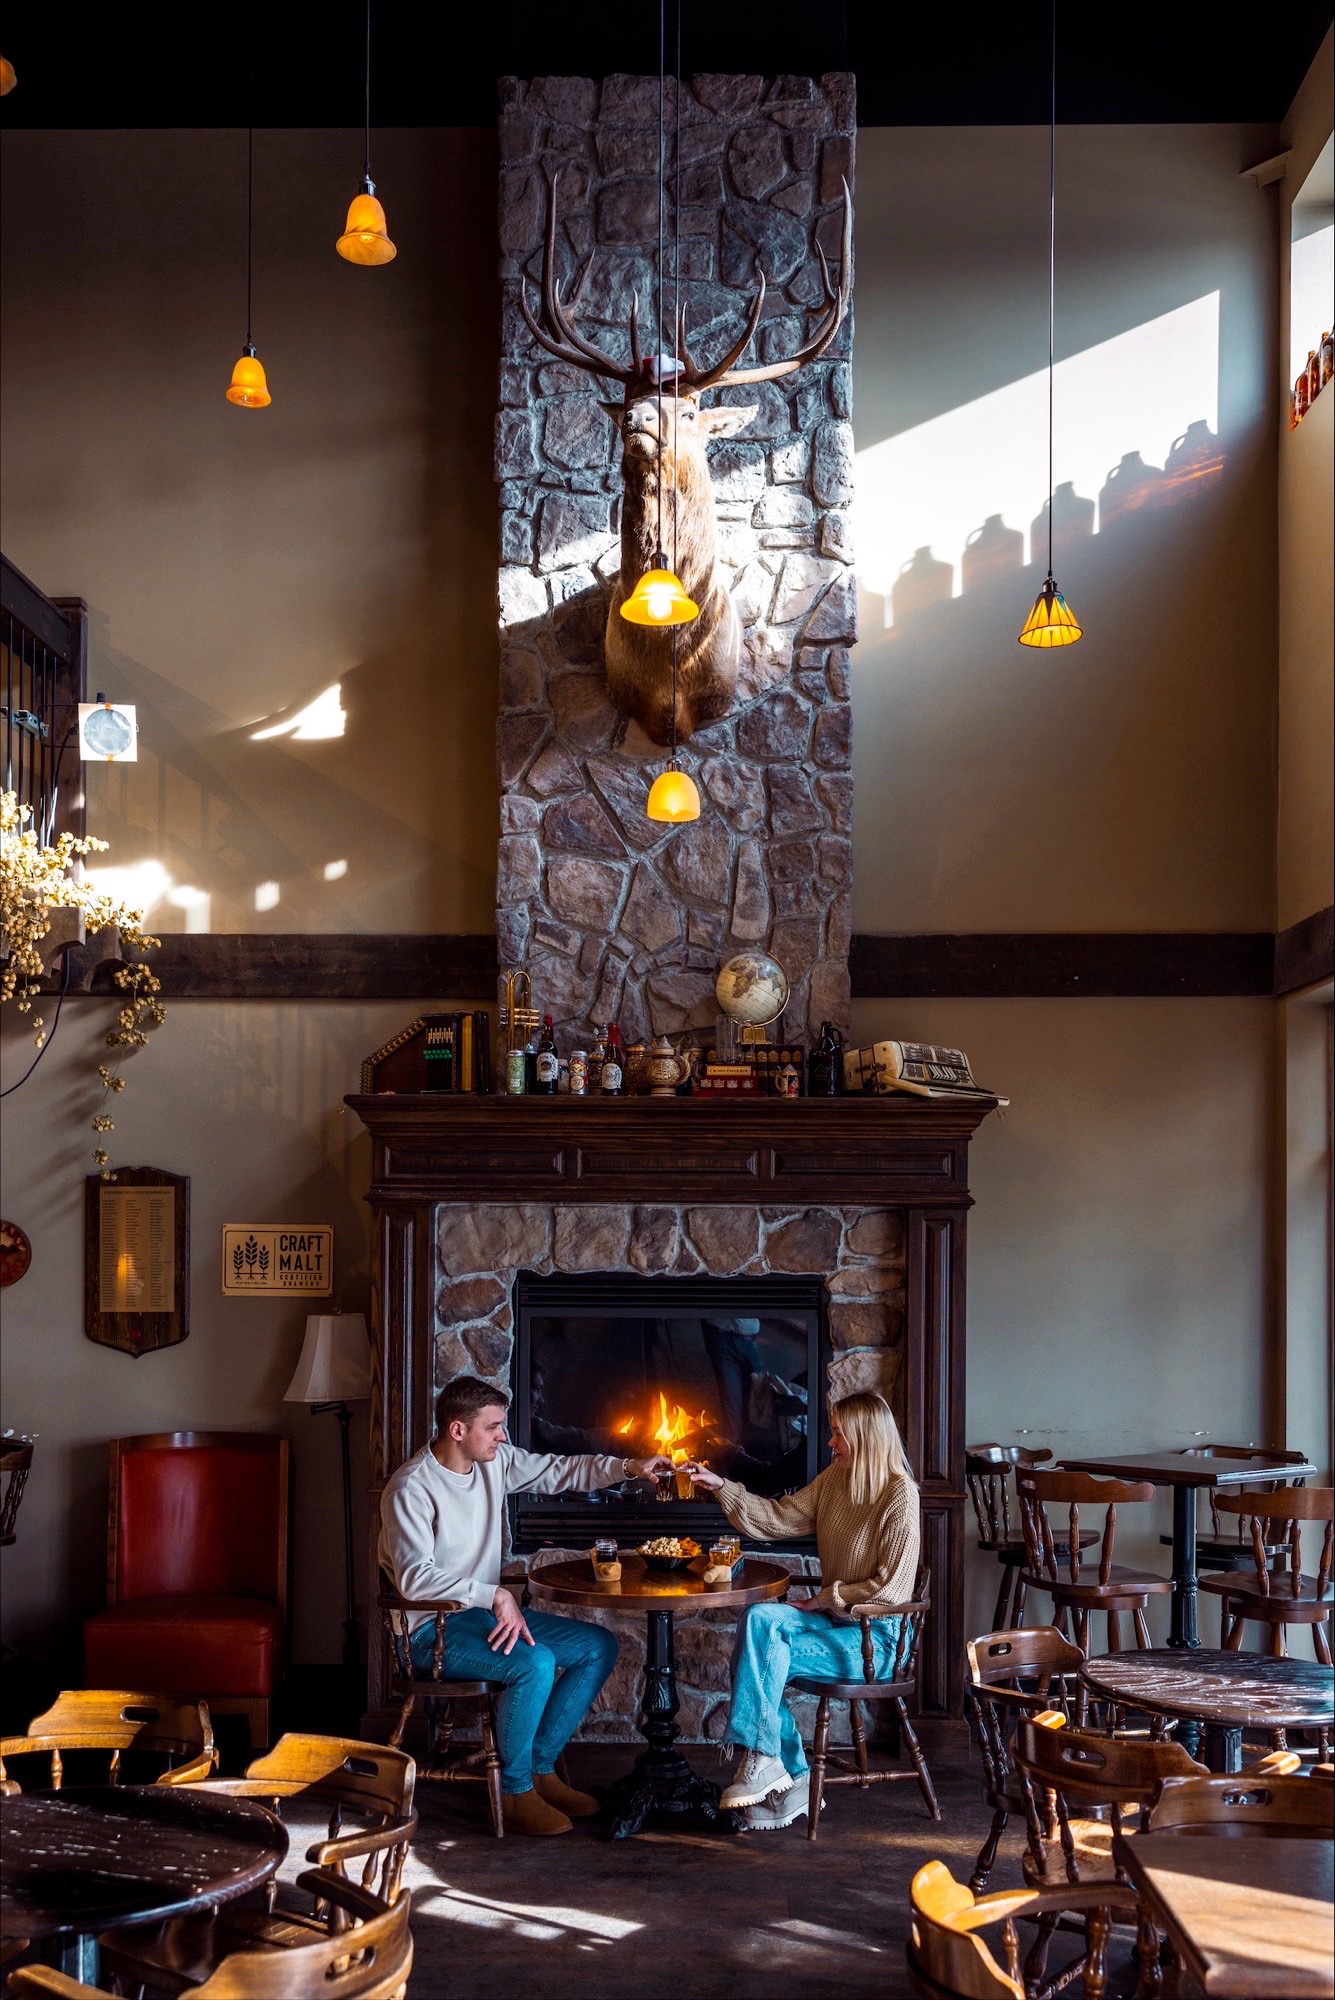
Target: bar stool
(1109, 1588)
(988, 1469)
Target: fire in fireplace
(728, 1370)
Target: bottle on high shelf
(548, 1066)
(612, 1082)
(1327, 352)
(1300, 397)
(1313, 374)
(597, 1056)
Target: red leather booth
(197, 1559)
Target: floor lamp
(335, 1370)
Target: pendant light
(248, 388)
(365, 239)
(672, 796)
(1051, 622)
(660, 598)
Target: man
(441, 1520)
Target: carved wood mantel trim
(905, 1153)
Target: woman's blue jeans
(547, 1688)
(776, 1643)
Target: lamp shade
(659, 599)
(335, 1364)
(1051, 622)
(365, 239)
(673, 796)
(248, 388)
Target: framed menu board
(136, 1278)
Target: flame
(667, 1431)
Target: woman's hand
(700, 1475)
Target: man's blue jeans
(775, 1643)
(548, 1687)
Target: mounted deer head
(661, 421)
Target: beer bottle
(612, 1082)
(548, 1067)
(597, 1056)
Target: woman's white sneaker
(773, 1813)
(756, 1780)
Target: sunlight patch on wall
(141, 885)
(320, 719)
(196, 903)
(959, 489)
(268, 895)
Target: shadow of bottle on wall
(1072, 521)
(992, 554)
(1194, 464)
(922, 585)
(1130, 486)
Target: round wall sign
(15, 1253)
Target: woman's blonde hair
(876, 1452)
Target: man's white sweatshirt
(441, 1532)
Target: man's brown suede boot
(564, 1797)
(529, 1812)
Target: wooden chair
(160, 1736)
(1012, 1674)
(1253, 1802)
(948, 1958)
(16, 1464)
(1219, 1548)
(988, 1469)
(368, 1957)
(197, 1570)
(1109, 1588)
(440, 1694)
(337, 1778)
(1281, 1597)
(902, 1683)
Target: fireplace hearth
(728, 1370)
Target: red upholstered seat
(229, 1645)
(197, 1570)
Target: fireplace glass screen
(729, 1371)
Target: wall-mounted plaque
(136, 1287)
(277, 1260)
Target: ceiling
(971, 64)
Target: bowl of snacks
(669, 1552)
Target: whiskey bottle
(597, 1055)
(825, 1066)
(612, 1081)
(548, 1067)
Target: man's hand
(656, 1467)
(510, 1626)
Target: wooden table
(1186, 1472)
(1223, 1693)
(1251, 1917)
(76, 1862)
(661, 1784)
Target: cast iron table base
(661, 1787)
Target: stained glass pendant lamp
(365, 238)
(248, 388)
(1051, 622)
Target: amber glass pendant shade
(248, 388)
(7, 76)
(365, 239)
(1051, 622)
(659, 599)
(673, 796)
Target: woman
(863, 1510)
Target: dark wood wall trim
(1052, 965)
(1305, 952)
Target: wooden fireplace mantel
(901, 1152)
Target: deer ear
(727, 419)
(616, 411)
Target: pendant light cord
(367, 154)
(662, 202)
(250, 226)
(1052, 268)
(676, 323)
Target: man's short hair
(461, 1400)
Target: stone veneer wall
(859, 1252)
(612, 915)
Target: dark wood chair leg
(1233, 1643)
(1021, 1592)
(1321, 1644)
(820, 1756)
(258, 1721)
(987, 1853)
(1114, 1632)
(1036, 1959)
(919, 1761)
(1142, 1628)
(859, 1729)
(1279, 1641)
(1008, 1573)
(1098, 1929)
(396, 1734)
(493, 1766)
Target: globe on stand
(752, 990)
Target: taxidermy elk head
(662, 424)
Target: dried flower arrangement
(36, 880)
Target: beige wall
(237, 563)
(1305, 859)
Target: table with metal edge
(1187, 1471)
(661, 1787)
(1251, 1916)
(76, 1862)
(1220, 1693)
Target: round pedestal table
(661, 1788)
(1217, 1692)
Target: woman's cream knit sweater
(868, 1555)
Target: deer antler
(723, 375)
(557, 331)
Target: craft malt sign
(275, 1260)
